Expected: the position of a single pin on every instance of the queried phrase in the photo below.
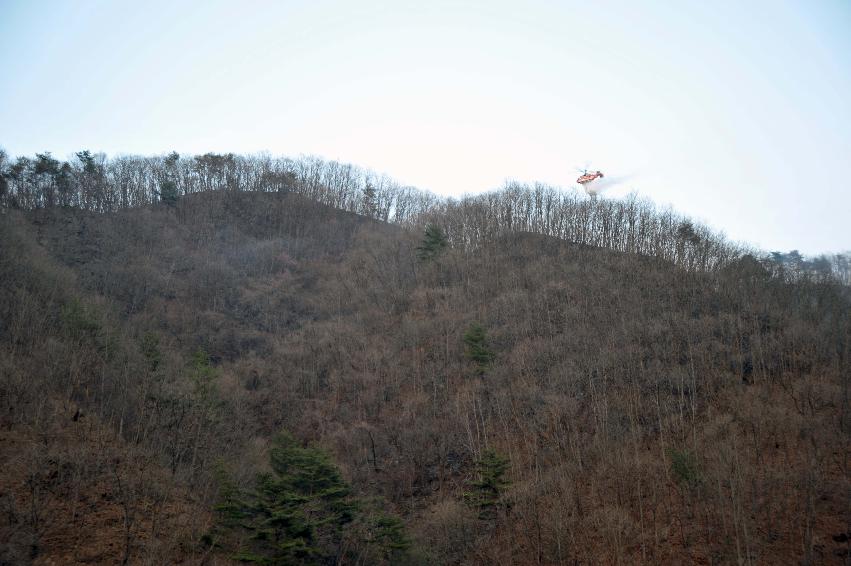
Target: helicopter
(589, 181)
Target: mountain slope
(647, 412)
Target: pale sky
(736, 113)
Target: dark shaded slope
(648, 413)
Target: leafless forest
(221, 358)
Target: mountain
(280, 375)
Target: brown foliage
(654, 406)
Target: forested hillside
(224, 358)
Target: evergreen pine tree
(477, 350)
(303, 513)
(297, 513)
(491, 483)
(168, 193)
(433, 244)
(369, 206)
(379, 537)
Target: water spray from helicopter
(596, 182)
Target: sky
(735, 113)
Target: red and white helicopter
(590, 181)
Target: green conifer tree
(378, 536)
(168, 193)
(369, 204)
(303, 513)
(490, 484)
(297, 513)
(433, 243)
(476, 347)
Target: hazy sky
(737, 113)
